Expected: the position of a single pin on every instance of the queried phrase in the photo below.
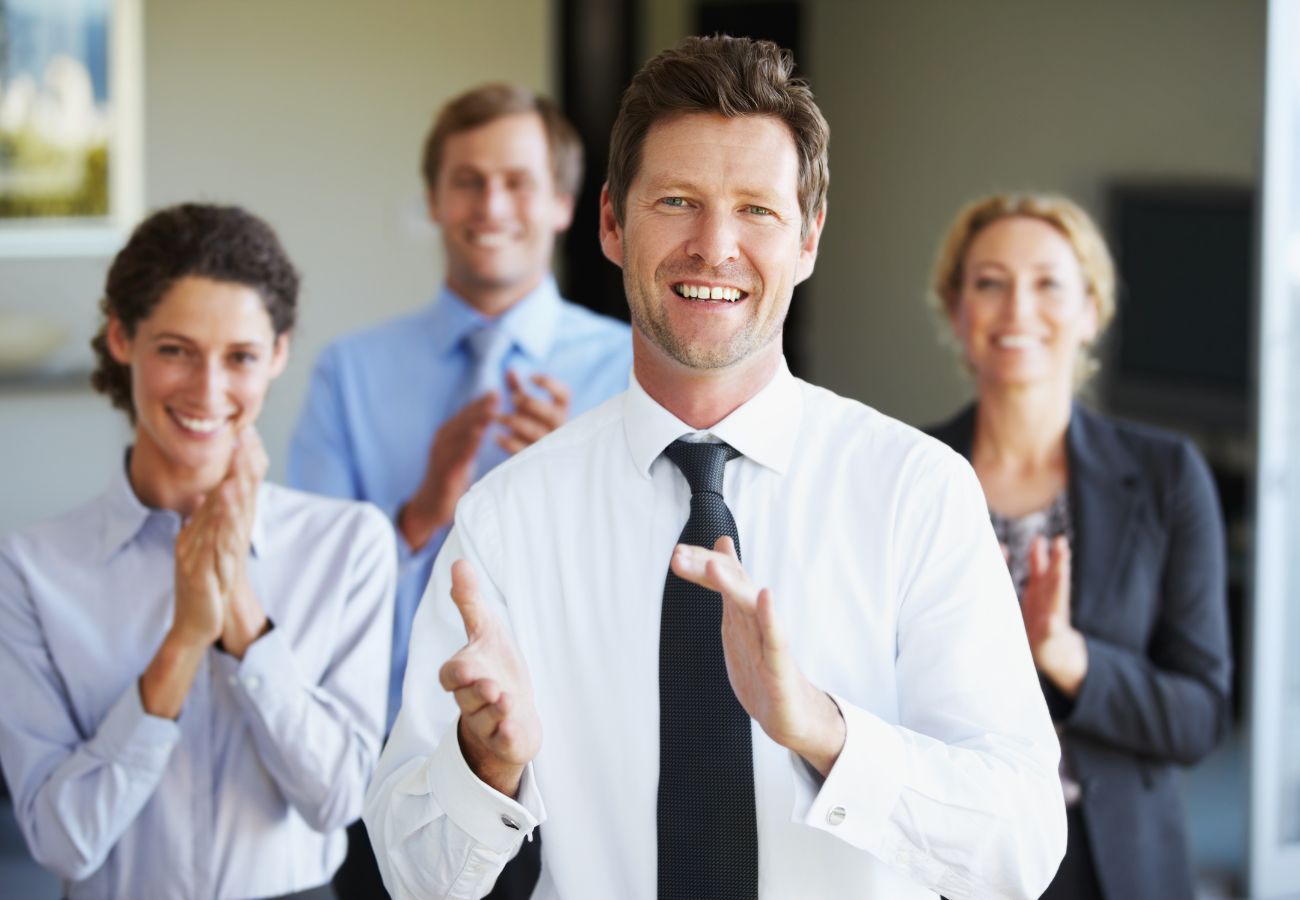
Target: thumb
(464, 593)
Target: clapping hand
(1058, 648)
(214, 598)
(449, 471)
(532, 417)
(764, 675)
(500, 731)
(235, 502)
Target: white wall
(311, 113)
(934, 103)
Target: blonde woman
(1112, 532)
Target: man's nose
(715, 240)
(496, 199)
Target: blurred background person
(1112, 533)
(408, 414)
(195, 662)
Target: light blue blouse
(247, 793)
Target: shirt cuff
(267, 666)
(858, 796)
(488, 816)
(132, 736)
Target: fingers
(773, 640)
(482, 409)
(1060, 554)
(525, 427)
(511, 444)
(718, 570)
(558, 393)
(463, 432)
(1060, 572)
(464, 593)
(548, 411)
(485, 708)
(1038, 560)
(532, 417)
(249, 458)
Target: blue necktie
(489, 347)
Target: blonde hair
(1063, 214)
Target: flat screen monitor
(1181, 348)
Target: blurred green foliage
(81, 176)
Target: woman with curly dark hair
(195, 662)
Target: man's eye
(170, 350)
(244, 357)
(758, 210)
(674, 201)
(987, 284)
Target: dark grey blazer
(1149, 593)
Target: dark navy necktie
(708, 835)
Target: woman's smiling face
(1024, 312)
(201, 363)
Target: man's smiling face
(499, 209)
(712, 241)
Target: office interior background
(1171, 120)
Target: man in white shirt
(861, 718)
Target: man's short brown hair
(481, 105)
(731, 77)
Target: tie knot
(701, 463)
(488, 344)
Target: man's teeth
(203, 426)
(707, 292)
(491, 239)
(1018, 341)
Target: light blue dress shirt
(248, 792)
(378, 397)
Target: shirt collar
(531, 322)
(764, 428)
(125, 515)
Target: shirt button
(232, 681)
(836, 815)
(509, 823)
(252, 682)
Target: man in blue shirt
(409, 413)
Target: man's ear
(280, 355)
(611, 233)
(808, 249)
(563, 212)
(119, 345)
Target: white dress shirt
(247, 793)
(891, 591)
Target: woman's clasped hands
(215, 601)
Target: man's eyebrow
(759, 195)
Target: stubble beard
(652, 321)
